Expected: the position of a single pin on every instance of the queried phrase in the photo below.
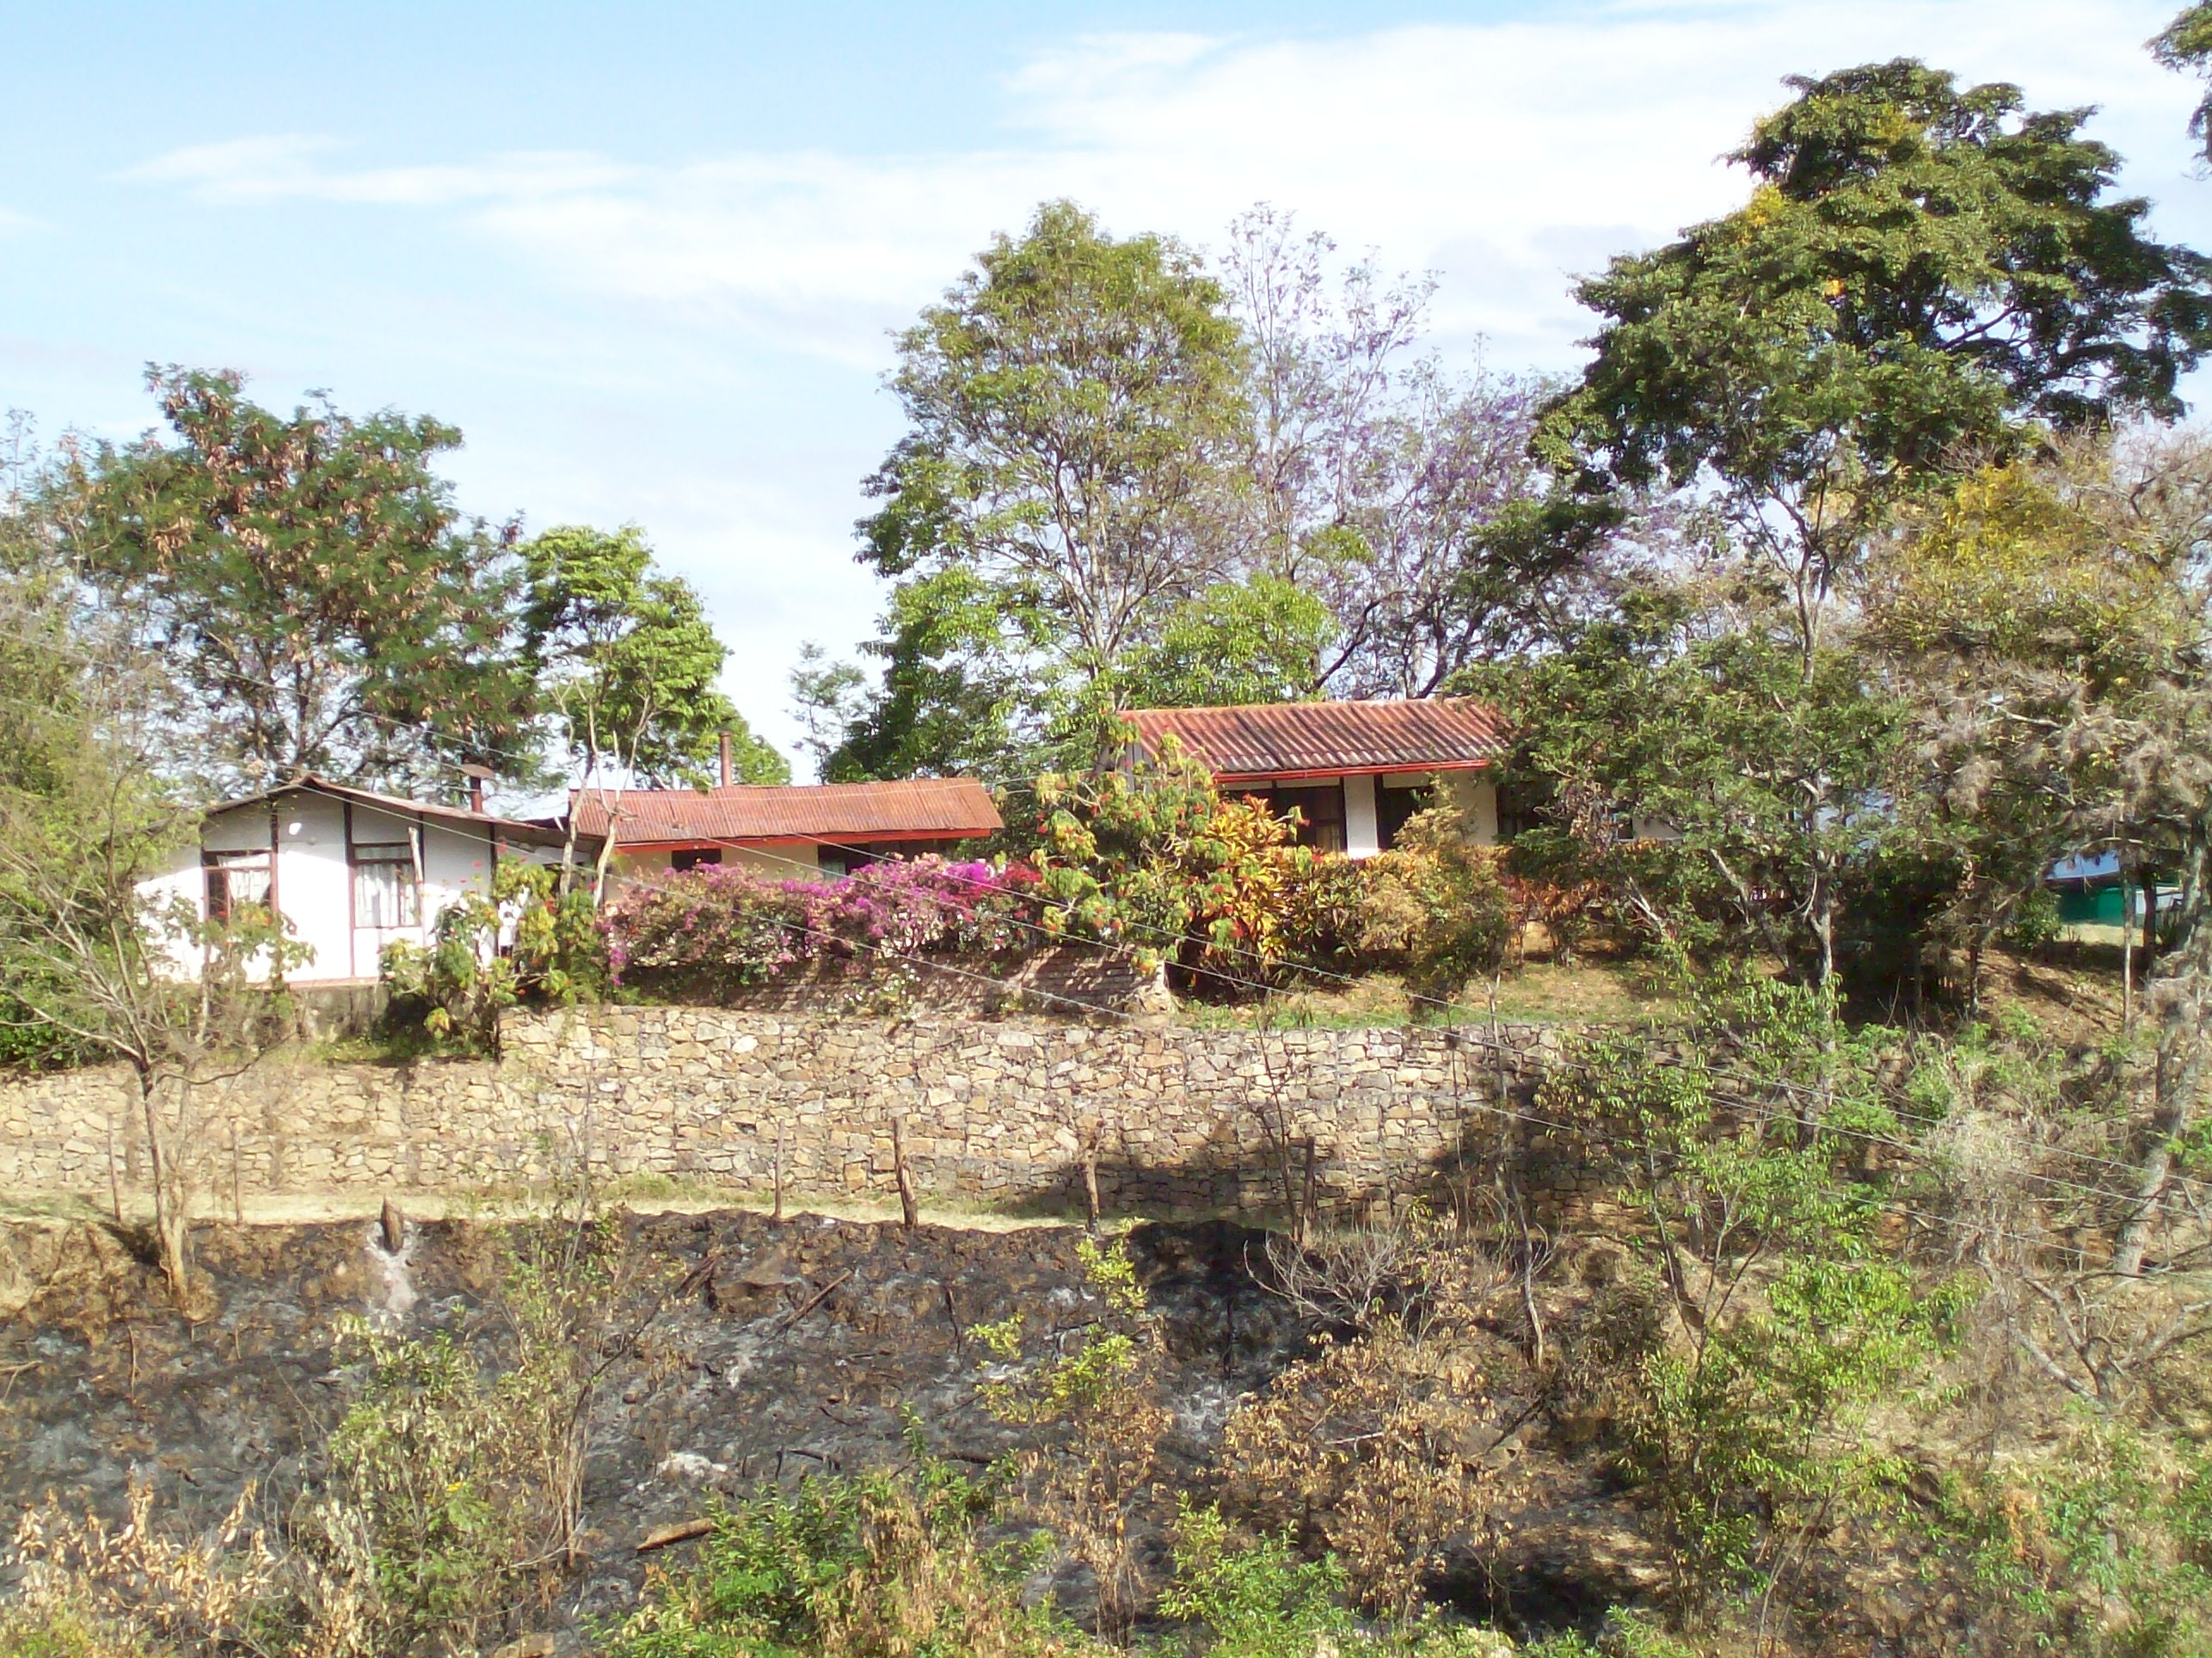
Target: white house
(350, 870)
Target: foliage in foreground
(446, 1506)
(527, 943)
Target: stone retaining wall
(1008, 1111)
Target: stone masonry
(1005, 1112)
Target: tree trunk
(2127, 885)
(606, 862)
(2176, 993)
(171, 1189)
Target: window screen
(235, 880)
(384, 890)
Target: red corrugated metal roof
(917, 808)
(1274, 739)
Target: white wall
(1362, 831)
(1477, 797)
(315, 877)
(314, 886)
(181, 880)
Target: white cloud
(295, 166)
(1506, 155)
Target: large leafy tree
(1720, 791)
(321, 602)
(1260, 639)
(1922, 270)
(2186, 44)
(952, 698)
(1075, 409)
(625, 665)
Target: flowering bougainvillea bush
(701, 934)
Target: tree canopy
(1922, 272)
(323, 603)
(1073, 406)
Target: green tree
(1076, 419)
(1707, 776)
(1920, 270)
(625, 666)
(2185, 44)
(1766, 1317)
(953, 697)
(1255, 640)
(320, 602)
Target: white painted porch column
(1362, 834)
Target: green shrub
(29, 1043)
(52, 1633)
(1153, 860)
(456, 988)
(2103, 1548)
(1435, 907)
(2035, 924)
(868, 1567)
(1257, 1601)
(1777, 1315)
(461, 1489)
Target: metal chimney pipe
(476, 776)
(728, 761)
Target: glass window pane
(234, 879)
(383, 887)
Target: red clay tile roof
(917, 809)
(1279, 739)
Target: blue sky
(649, 259)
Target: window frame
(1280, 798)
(224, 863)
(387, 854)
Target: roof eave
(1229, 779)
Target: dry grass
(1588, 991)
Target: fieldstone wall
(1008, 1112)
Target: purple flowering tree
(1407, 495)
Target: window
(1320, 806)
(695, 858)
(386, 893)
(235, 880)
(1393, 806)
